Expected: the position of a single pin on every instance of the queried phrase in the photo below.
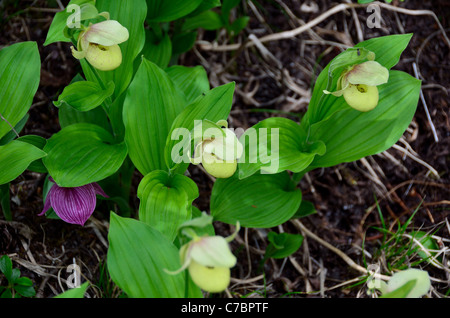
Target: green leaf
(239, 24)
(410, 283)
(402, 291)
(166, 11)
(151, 105)
(208, 20)
(20, 67)
(274, 145)
(83, 153)
(192, 81)
(130, 14)
(138, 257)
(387, 50)
(17, 156)
(183, 42)
(282, 244)
(205, 5)
(84, 95)
(77, 292)
(306, 208)
(11, 135)
(214, 105)
(68, 116)
(157, 50)
(24, 286)
(39, 142)
(261, 201)
(166, 201)
(6, 267)
(59, 23)
(350, 135)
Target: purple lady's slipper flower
(73, 205)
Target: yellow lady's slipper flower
(208, 260)
(358, 84)
(219, 155)
(99, 44)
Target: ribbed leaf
(151, 105)
(15, 157)
(350, 135)
(166, 11)
(137, 258)
(20, 67)
(261, 201)
(166, 201)
(82, 153)
(39, 142)
(387, 49)
(274, 145)
(77, 292)
(192, 81)
(59, 22)
(208, 20)
(84, 96)
(158, 51)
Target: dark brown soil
(344, 196)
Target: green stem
(186, 286)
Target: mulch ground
(278, 84)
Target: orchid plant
(133, 109)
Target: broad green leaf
(387, 50)
(274, 145)
(205, 5)
(151, 105)
(17, 156)
(138, 258)
(214, 105)
(166, 11)
(306, 208)
(39, 142)
(239, 24)
(166, 201)
(183, 42)
(131, 15)
(402, 291)
(261, 201)
(75, 292)
(59, 22)
(192, 81)
(6, 267)
(350, 135)
(83, 153)
(400, 286)
(157, 50)
(24, 286)
(84, 96)
(68, 115)
(20, 67)
(208, 20)
(11, 135)
(282, 244)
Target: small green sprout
(17, 286)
